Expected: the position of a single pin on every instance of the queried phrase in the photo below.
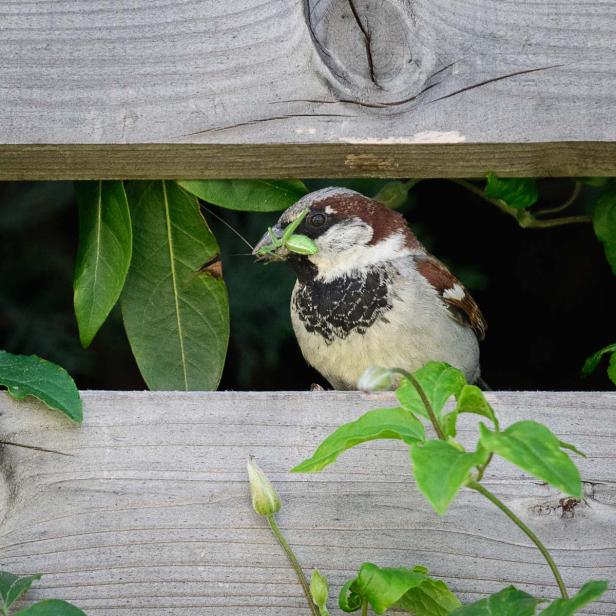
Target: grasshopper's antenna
(224, 222)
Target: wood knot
(566, 508)
(370, 47)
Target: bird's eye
(317, 220)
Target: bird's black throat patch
(344, 305)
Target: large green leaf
(519, 193)
(441, 469)
(604, 222)
(439, 381)
(507, 602)
(590, 592)
(14, 586)
(536, 450)
(103, 258)
(377, 424)
(29, 375)
(174, 302)
(590, 365)
(249, 195)
(51, 607)
(410, 589)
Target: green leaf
(449, 424)
(472, 400)
(439, 381)
(469, 400)
(319, 591)
(519, 193)
(431, 598)
(51, 607)
(573, 448)
(394, 194)
(441, 469)
(410, 589)
(535, 449)
(348, 600)
(604, 222)
(507, 602)
(14, 586)
(611, 369)
(29, 375)
(590, 592)
(103, 257)
(377, 424)
(596, 182)
(590, 365)
(248, 195)
(174, 303)
(383, 587)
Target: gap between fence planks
(150, 513)
(310, 88)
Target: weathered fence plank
(309, 88)
(150, 512)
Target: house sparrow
(372, 295)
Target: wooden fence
(306, 88)
(150, 514)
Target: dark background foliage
(548, 294)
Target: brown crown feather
(383, 220)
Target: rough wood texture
(150, 512)
(312, 86)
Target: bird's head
(339, 230)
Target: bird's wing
(458, 300)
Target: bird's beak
(266, 247)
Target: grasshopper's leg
(275, 241)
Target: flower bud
(265, 499)
(319, 591)
(376, 379)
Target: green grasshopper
(294, 242)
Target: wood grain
(311, 88)
(149, 514)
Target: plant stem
(525, 218)
(35, 448)
(412, 182)
(479, 192)
(424, 398)
(474, 485)
(364, 609)
(556, 222)
(577, 189)
(294, 563)
(482, 469)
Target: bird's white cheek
(356, 256)
(341, 237)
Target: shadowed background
(548, 294)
